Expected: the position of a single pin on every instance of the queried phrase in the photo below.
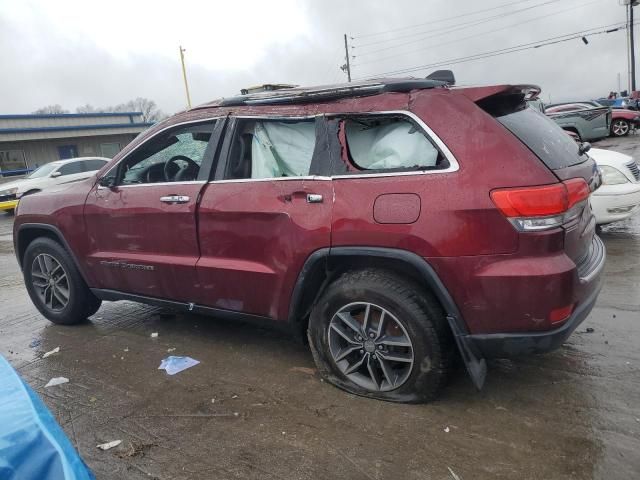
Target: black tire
(419, 314)
(620, 128)
(81, 302)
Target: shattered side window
(387, 143)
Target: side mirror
(55, 174)
(584, 148)
(107, 182)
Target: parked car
(364, 216)
(619, 196)
(623, 120)
(620, 102)
(588, 121)
(47, 176)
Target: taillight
(561, 314)
(541, 207)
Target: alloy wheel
(50, 282)
(620, 128)
(370, 346)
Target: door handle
(314, 198)
(173, 199)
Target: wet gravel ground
(255, 409)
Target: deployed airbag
(282, 149)
(389, 144)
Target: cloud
(72, 54)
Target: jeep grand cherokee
(395, 222)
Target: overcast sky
(104, 53)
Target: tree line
(149, 109)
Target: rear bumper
(8, 205)
(502, 345)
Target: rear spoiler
(475, 94)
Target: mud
(255, 408)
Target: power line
(456, 17)
(516, 48)
(441, 31)
(486, 32)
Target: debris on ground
(35, 343)
(51, 352)
(108, 445)
(446, 429)
(56, 381)
(136, 449)
(173, 365)
(154, 335)
(234, 396)
(453, 474)
(590, 330)
(126, 349)
(305, 370)
(169, 350)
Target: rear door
(142, 229)
(266, 212)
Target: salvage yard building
(29, 141)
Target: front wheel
(376, 335)
(55, 285)
(619, 128)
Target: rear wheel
(55, 285)
(376, 335)
(619, 127)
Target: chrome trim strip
(274, 179)
(600, 256)
(157, 184)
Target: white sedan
(619, 196)
(48, 175)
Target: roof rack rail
(331, 92)
(267, 87)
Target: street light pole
(184, 76)
(632, 46)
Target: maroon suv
(396, 222)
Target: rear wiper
(584, 147)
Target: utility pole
(347, 66)
(184, 76)
(632, 45)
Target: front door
(262, 217)
(142, 228)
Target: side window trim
(218, 128)
(326, 120)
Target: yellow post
(184, 75)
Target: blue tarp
(32, 444)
